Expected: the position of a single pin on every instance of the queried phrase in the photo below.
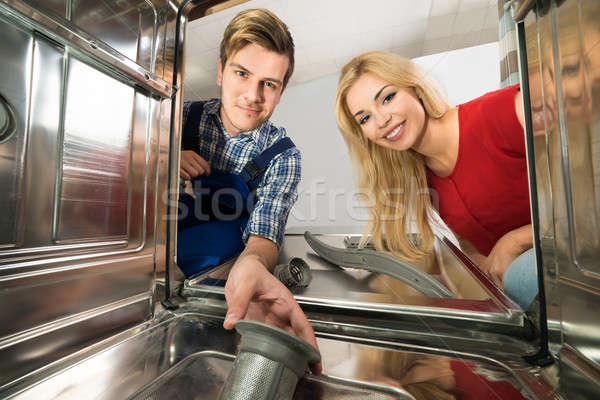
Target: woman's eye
(364, 119)
(571, 69)
(241, 73)
(389, 97)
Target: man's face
(251, 86)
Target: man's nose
(254, 93)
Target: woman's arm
(509, 247)
(519, 108)
(470, 250)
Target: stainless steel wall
(85, 117)
(563, 50)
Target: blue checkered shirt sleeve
(275, 197)
(185, 112)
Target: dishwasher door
(476, 304)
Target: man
(228, 135)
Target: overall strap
(254, 170)
(190, 135)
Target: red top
(469, 385)
(487, 194)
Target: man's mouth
(249, 110)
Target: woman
(417, 153)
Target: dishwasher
(95, 307)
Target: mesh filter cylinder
(296, 273)
(269, 363)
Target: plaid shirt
(277, 192)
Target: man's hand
(505, 251)
(192, 165)
(252, 292)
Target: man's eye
(269, 84)
(364, 119)
(241, 73)
(389, 97)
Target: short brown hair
(262, 27)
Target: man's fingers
(184, 169)
(317, 368)
(201, 162)
(187, 167)
(193, 164)
(202, 168)
(302, 327)
(192, 167)
(304, 330)
(237, 304)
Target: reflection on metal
(161, 160)
(92, 274)
(580, 377)
(128, 26)
(353, 242)
(8, 123)
(57, 7)
(187, 379)
(578, 134)
(44, 125)
(524, 7)
(563, 52)
(382, 263)
(504, 301)
(93, 196)
(209, 7)
(16, 48)
(169, 352)
(40, 352)
(85, 45)
(334, 290)
(174, 52)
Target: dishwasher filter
(269, 363)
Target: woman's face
(543, 102)
(388, 115)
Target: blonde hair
(402, 369)
(395, 181)
(262, 27)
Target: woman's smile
(382, 111)
(396, 132)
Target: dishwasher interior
(187, 355)
(93, 303)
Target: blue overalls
(210, 226)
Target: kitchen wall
(327, 200)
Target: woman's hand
(505, 251)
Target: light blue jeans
(520, 280)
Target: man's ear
(219, 72)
